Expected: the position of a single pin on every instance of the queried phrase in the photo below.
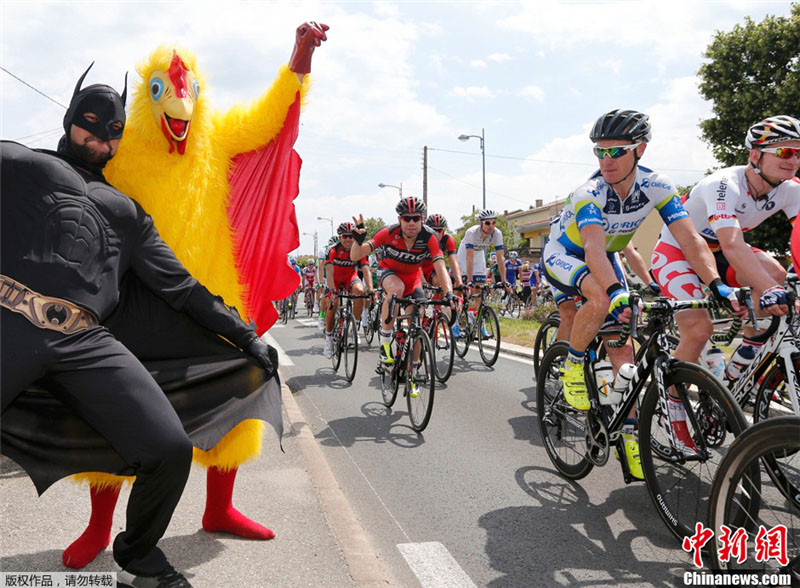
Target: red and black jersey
(401, 259)
(448, 246)
(343, 267)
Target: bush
(539, 312)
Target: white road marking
(526, 360)
(283, 359)
(308, 322)
(434, 566)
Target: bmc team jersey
(448, 246)
(511, 270)
(344, 269)
(473, 239)
(401, 259)
(723, 200)
(596, 203)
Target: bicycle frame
(782, 344)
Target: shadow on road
(378, 425)
(563, 539)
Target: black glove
(723, 294)
(359, 237)
(265, 355)
(654, 288)
(774, 296)
(449, 298)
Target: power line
(550, 160)
(477, 187)
(32, 88)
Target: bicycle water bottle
(713, 359)
(740, 361)
(604, 376)
(624, 376)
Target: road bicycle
(678, 481)
(750, 498)
(545, 337)
(345, 335)
(440, 331)
(484, 328)
(413, 365)
(510, 304)
(309, 301)
(373, 311)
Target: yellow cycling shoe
(632, 455)
(574, 386)
(386, 354)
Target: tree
(753, 72)
(373, 225)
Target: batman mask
(104, 102)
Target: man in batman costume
(86, 287)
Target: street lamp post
(483, 160)
(315, 241)
(400, 187)
(330, 220)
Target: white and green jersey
(597, 203)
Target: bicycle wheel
(389, 385)
(463, 340)
(741, 477)
(563, 427)
(545, 337)
(369, 328)
(443, 347)
(679, 485)
(338, 334)
(421, 374)
(488, 336)
(774, 400)
(309, 304)
(284, 312)
(515, 307)
(350, 348)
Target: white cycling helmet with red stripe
(775, 129)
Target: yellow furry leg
(240, 444)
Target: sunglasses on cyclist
(489, 223)
(614, 151)
(346, 235)
(783, 152)
(411, 219)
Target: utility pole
(425, 175)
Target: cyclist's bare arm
(748, 268)
(637, 264)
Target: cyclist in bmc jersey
(322, 281)
(344, 277)
(722, 206)
(599, 218)
(405, 246)
(448, 246)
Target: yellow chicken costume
(188, 166)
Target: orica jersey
(596, 203)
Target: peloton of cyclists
(344, 276)
(406, 245)
(722, 206)
(599, 219)
(447, 244)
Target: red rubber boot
(221, 516)
(97, 535)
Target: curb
(362, 562)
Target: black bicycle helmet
(410, 205)
(436, 221)
(345, 228)
(624, 125)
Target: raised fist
(309, 35)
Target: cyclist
(524, 279)
(448, 246)
(405, 246)
(322, 280)
(599, 218)
(513, 267)
(342, 273)
(472, 256)
(722, 206)
(309, 276)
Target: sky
(394, 77)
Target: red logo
(720, 206)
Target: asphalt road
(474, 500)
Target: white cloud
(473, 92)
(614, 65)
(534, 92)
(478, 63)
(499, 57)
